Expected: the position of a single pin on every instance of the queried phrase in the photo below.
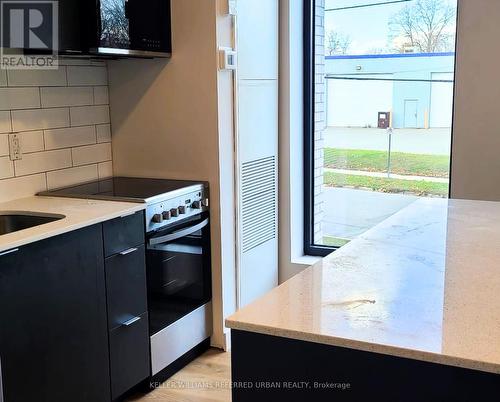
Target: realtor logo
(29, 34)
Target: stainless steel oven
(179, 288)
(177, 229)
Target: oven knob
(196, 205)
(157, 218)
(205, 202)
(174, 212)
(182, 209)
(166, 215)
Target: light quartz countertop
(78, 214)
(424, 285)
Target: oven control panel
(166, 212)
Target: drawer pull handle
(129, 251)
(9, 252)
(131, 321)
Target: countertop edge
(32, 238)
(365, 346)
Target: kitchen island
(409, 311)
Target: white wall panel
(257, 148)
(441, 100)
(257, 39)
(354, 103)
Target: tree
(337, 43)
(114, 24)
(427, 26)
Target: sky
(367, 27)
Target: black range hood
(112, 28)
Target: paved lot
(435, 141)
(349, 213)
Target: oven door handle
(179, 234)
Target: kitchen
(131, 228)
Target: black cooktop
(125, 189)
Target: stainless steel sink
(14, 221)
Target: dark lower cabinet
(126, 286)
(129, 355)
(277, 369)
(123, 233)
(74, 324)
(127, 319)
(53, 331)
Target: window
(379, 85)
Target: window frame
(309, 74)
(309, 31)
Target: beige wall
(476, 136)
(165, 118)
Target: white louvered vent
(258, 183)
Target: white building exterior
(417, 88)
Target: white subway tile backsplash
(64, 61)
(37, 78)
(20, 187)
(3, 78)
(5, 126)
(6, 167)
(70, 137)
(101, 96)
(66, 96)
(4, 144)
(32, 141)
(105, 170)
(92, 154)
(68, 177)
(85, 115)
(39, 119)
(19, 98)
(95, 62)
(64, 127)
(87, 75)
(103, 133)
(43, 162)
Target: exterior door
(411, 113)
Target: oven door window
(178, 272)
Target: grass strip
(386, 185)
(376, 161)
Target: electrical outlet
(15, 147)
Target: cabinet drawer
(123, 233)
(129, 356)
(126, 286)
